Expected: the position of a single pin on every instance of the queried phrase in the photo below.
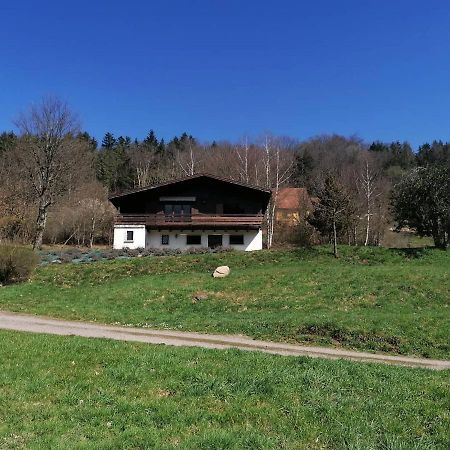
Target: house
(197, 211)
(291, 205)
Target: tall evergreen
(150, 140)
(8, 141)
(161, 147)
(123, 142)
(87, 138)
(109, 141)
(113, 163)
(436, 153)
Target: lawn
(375, 299)
(68, 392)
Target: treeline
(55, 179)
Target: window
(214, 240)
(233, 208)
(130, 236)
(164, 239)
(177, 210)
(236, 239)
(193, 239)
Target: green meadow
(372, 299)
(68, 392)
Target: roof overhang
(192, 177)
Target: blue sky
(221, 69)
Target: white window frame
(127, 241)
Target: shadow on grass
(413, 253)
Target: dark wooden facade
(200, 201)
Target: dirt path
(37, 324)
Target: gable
(206, 193)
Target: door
(214, 240)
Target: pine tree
(124, 142)
(7, 141)
(151, 141)
(88, 139)
(109, 141)
(161, 147)
(334, 212)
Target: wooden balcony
(193, 221)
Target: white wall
(177, 239)
(120, 236)
(253, 240)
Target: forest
(55, 179)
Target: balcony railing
(193, 220)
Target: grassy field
(66, 392)
(375, 299)
(405, 239)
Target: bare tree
(367, 184)
(277, 167)
(83, 217)
(51, 157)
(242, 156)
(188, 159)
(148, 166)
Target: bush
(301, 234)
(16, 263)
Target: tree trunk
(40, 227)
(366, 241)
(334, 239)
(91, 237)
(440, 240)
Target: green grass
(394, 301)
(405, 239)
(66, 392)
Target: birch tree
(51, 158)
(366, 183)
(188, 158)
(277, 167)
(242, 152)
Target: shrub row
(76, 255)
(16, 263)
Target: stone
(221, 272)
(199, 296)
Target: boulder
(221, 272)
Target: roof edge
(190, 177)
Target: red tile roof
(292, 198)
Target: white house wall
(253, 241)
(120, 236)
(177, 239)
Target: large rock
(221, 272)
